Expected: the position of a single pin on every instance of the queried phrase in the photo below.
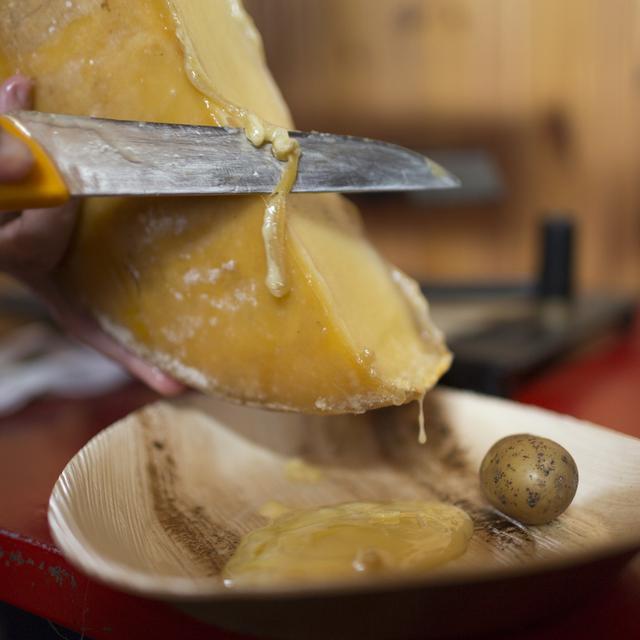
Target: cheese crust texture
(277, 301)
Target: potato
(529, 478)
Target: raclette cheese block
(182, 281)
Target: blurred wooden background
(550, 87)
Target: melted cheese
(274, 229)
(422, 432)
(349, 540)
(227, 85)
(224, 59)
(297, 470)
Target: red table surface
(602, 385)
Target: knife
(81, 156)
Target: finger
(16, 93)
(36, 240)
(88, 331)
(15, 158)
(83, 327)
(8, 216)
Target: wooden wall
(550, 87)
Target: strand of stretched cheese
(274, 229)
(182, 281)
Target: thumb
(15, 158)
(16, 93)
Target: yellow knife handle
(42, 187)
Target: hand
(33, 242)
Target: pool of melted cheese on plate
(349, 540)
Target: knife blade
(86, 157)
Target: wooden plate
(156, 503)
